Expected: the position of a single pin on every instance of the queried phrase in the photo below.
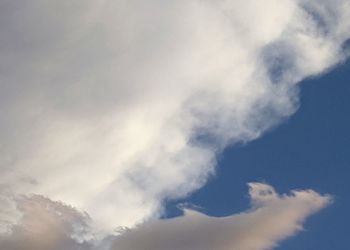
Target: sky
(177, 125)
(309, 150)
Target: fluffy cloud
(272, 218)
(113, 106)
(45, 224)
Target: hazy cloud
(113, 106)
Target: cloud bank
(272, 217)
(114, 106)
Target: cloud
(272, 218)
(114, 106)
(45, 224)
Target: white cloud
(113, 106)
(272, 218)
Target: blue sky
(174, 125)
(310, 150)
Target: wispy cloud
(113, 106)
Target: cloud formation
(272, 218)
(47, 225)
(114, 106)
